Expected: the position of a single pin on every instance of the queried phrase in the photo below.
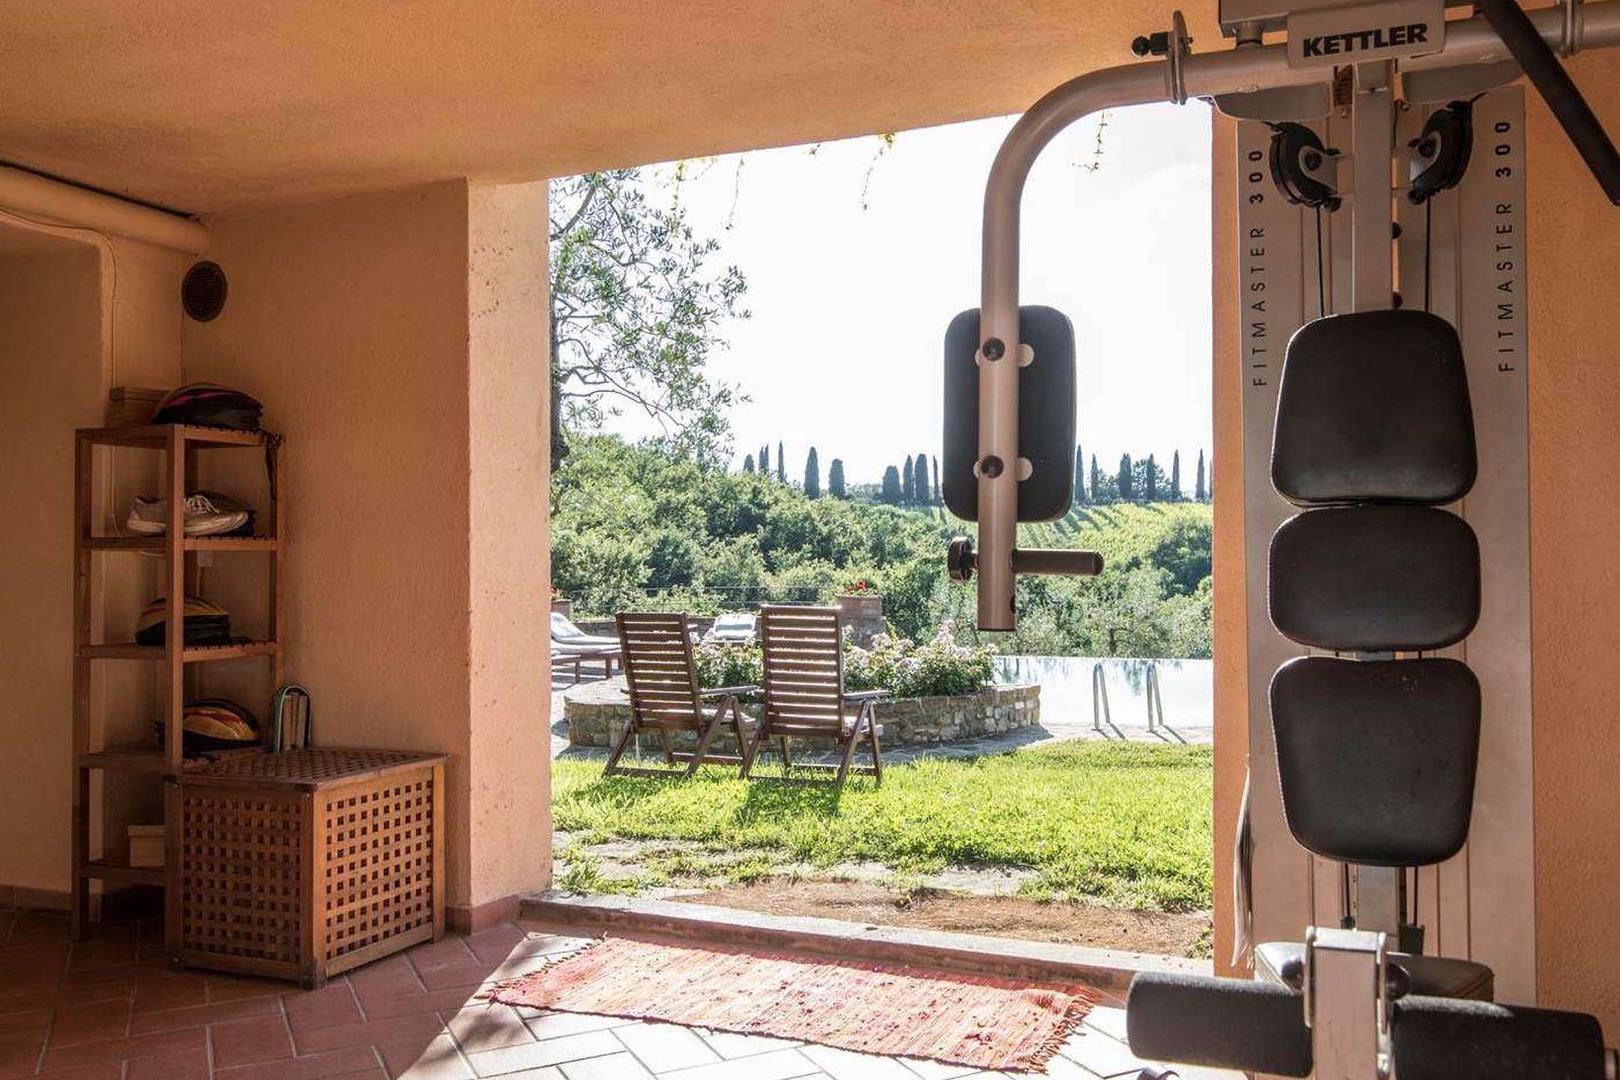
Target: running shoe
(208, 513)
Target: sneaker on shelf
(208, 513)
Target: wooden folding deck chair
(804, 691)
(665, 696)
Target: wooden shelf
(159, 544)
(194, 654)
(127, 759)
(179, 472)
(118, 870)
(156, 436)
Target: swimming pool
(1187, 688)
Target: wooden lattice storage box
(305, 863)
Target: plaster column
(398, 340)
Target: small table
(305, 863)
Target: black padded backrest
(1046, 415)
(1374, 578)
(1377, 758)
(1373, 407)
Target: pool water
(1187, 688)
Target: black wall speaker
(202, 293)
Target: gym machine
(1382, 321)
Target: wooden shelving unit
(180, 446)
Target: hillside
(642, 526)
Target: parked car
(739, 628)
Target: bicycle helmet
(209, 405)
(203, 623)
(213, 724)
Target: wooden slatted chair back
(804, 670)
(659, 671)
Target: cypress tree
(890, 491)
(748, 464)
(1199, 492)
(1151, 492)
(781, 464)
(1209, 481)
(1097, 493)
(1175, 476)
(939, 498)
(919, 479)
(908, 484)
(1125, 482)
(1079, 476)
(765, 461)
(835, 478)
(812, 475)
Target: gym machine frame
(1249, 68)
(1349, 1018)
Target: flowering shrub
(936, 668)
(720, 664)
(861, 587)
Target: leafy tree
(919, 480)
(812, 475)
(1126, 484)
(1199, 492)
(636, 309)
(1079, 476)
(781, 463)
(891, 492)
(1175, 476)
(908, 483)
(835, 479)
(748, 464)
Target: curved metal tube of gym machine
(1239, 70)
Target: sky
(850, 302)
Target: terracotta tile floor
(109, 1009)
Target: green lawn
(1124, 824)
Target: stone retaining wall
(597, 711)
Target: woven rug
(872, 1008)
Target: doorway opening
(760, 424)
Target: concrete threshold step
(973, 954)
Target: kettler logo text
(1360, 41)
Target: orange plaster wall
(347, 319)
(53, 367)
(398, 342)
(1574, 283)
(1231, 683)
(79, 314)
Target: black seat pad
(1283, 963)
(1376, 758)
(1375, 579)
(1373, 407)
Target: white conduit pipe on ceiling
(55, 203)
